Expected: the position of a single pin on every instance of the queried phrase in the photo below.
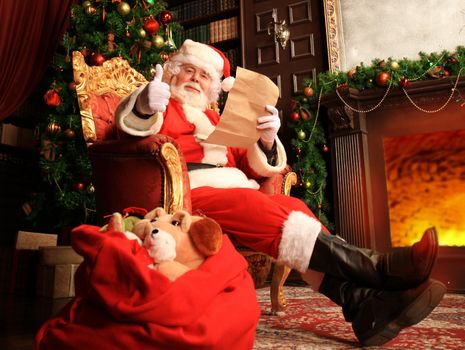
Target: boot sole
(412, 314)
(434, 247)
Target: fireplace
(398, 170)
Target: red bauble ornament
(165, 17)
(72, 86)
(151, 26)
(382, 78)
(52, 98)
(97, 59)
(304, 115)
(404, 82)
(69, 134)
(164, 56)
(319, 206)
(308, 91)
(78, 186)
(325, 148)
(446, 73)
(351, 73)
(295, 116)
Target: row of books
(213, 32)
(234, 58)
(201, 8)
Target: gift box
(56, 269)
(20, 263)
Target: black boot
(378, 316)
(398, 270)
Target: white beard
(195, 99)
(194, 105)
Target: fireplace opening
(426, 186)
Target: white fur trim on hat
(200, 55)
(221, 178)
(227, 83)
(298, 240)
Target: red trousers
(250, 217)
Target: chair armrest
(280, 183)
(142, 172)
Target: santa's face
(191, 73)
(191, 86)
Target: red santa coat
(280, 226)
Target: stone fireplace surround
(358, 168)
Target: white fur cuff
(131, 124)
(299, 235)
(258, 162)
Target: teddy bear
(177, 242)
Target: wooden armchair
(146, 172)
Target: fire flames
(426, 186)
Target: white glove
(269, 125)
(154, 97)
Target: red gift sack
(121, 303)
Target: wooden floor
(21, 317)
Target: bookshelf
(213, 22)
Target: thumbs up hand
(154, 97)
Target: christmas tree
(311, 153)
(137, 30)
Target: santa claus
(379, 293)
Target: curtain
(30, 32)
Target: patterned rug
(312, 321)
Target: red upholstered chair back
(130, 171)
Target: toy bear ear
(155, 213)
(207, 236)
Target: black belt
(196, 166)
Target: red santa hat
(207, 57)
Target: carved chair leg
(278, 299)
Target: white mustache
(193, 85)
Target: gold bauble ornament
(86, 4)
(158, 41)
(308, 184)
(90, 189)
(301, 135)
(90, 10)
(142, 33)
(394, 65)
(124, 8)
(53, 128)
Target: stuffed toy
(125, 221)
(177, 242)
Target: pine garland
(310, 143)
